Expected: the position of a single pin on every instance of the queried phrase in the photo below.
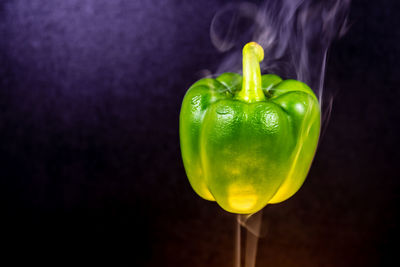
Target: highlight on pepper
(248, 141)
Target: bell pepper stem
(251, 91)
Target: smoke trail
(295, 34)
(253, 224)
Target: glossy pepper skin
(248, 141)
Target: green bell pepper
(249, 141)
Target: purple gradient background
(91, 173)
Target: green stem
(251, 91)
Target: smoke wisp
(295, 34)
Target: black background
(91, 172)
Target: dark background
(91, 172)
